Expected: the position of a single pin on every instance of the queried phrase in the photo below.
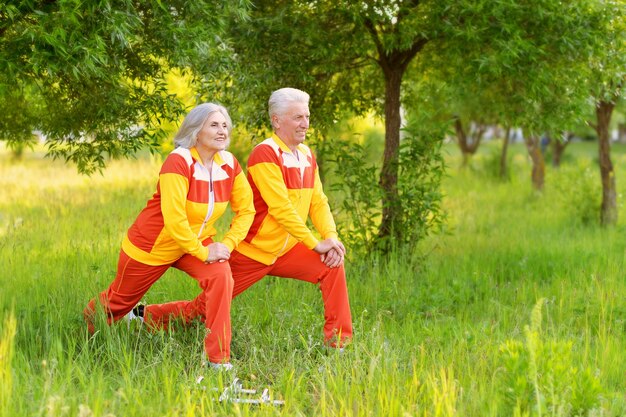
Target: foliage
(91, 75)
(320, 58)
(544, 377)
(360, 209)
(421, 171)
(607, 79)
(521, 61)
(578, 191)
(607, 75)
(420, 174)
(490, 164)
(18, 147)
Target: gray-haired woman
(176, 228)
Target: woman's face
(213, 136)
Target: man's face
(291, 126)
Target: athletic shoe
(135, 314)
(222, 366)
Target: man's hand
(332, 258)
(218, 252)
(332, 252)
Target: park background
(472, 152)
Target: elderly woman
(175, 229)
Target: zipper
(209, 212)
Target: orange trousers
(299, 263)
(134, 278)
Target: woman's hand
(218, 252)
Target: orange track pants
(299, 263)
(134, 278)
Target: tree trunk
(389, 170)
(533, 145)
(477, 136)
(608, 210)
(468, 144)
(393, 63)
(503, 154)
(558, 147)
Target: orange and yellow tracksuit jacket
(182, 212)
(287, 190)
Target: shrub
(578, 192)
(543, 377)
(420, 171)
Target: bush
(578, 192)
(543, 377)
(420, 171)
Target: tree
(528, 54)
(468, 138)
(474, 112)
(503, 168)
(90, 75)
(351, 56)
(558, 147)
(607, 78)
(356, 56)
(538, 171)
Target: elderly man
(287, 190)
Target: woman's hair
(280, 100)
(187, 135)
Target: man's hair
(187, 135)
(280, 100)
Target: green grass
(518, 309)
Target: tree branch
(369, 25)
(417, 46)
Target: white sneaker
(222, 366)
(132, 316)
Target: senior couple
(268, 234)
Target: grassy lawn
(518, 308)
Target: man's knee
(333, 273)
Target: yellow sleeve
(242, 203)
(320, 213)
(174, 189)
(269, 180)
